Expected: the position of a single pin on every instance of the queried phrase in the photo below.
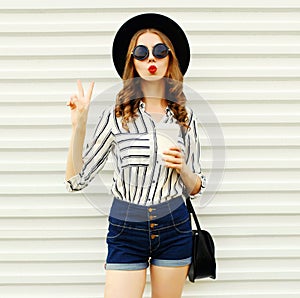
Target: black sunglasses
(159, 51)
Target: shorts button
(151, 217)
(152, 225)
(153, 236)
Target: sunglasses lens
(160, 51)
(140, 52)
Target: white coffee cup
(167, 137)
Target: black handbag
(203, 259)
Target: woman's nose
(151, 57)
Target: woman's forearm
(191, 180)
(174, 159)
(74, 158)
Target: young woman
(148, 220)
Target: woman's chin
(152, 77)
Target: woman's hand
(79, 103)
(174, 159)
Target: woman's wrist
(191, 180)
(185, 171)
(80, 125)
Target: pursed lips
(152, 69)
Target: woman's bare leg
(168, 282)
(125, 284)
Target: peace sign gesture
(79, 103)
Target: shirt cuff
(202, 188)
(71, 183)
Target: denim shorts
(161, 234)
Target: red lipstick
(152, 69)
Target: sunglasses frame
(147, 54)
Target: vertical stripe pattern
(140, 175)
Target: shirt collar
(168, 110)
(142, 106)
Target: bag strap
(189, 204)
(191, 210)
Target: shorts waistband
(127, 211)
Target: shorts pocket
(181, 220)
(184, 227)
(114, 230)
(134, 149)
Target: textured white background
(245, 62)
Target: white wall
(245, 62)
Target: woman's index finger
(175, 148)
(80, 88)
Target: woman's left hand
(174, 158)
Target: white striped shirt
(139, 176)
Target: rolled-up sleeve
(193, 154)
(95, 153)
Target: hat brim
(150, 20)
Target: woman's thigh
(163, 277)
(124, 283)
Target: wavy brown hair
(128, 99)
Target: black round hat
(150, 20)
